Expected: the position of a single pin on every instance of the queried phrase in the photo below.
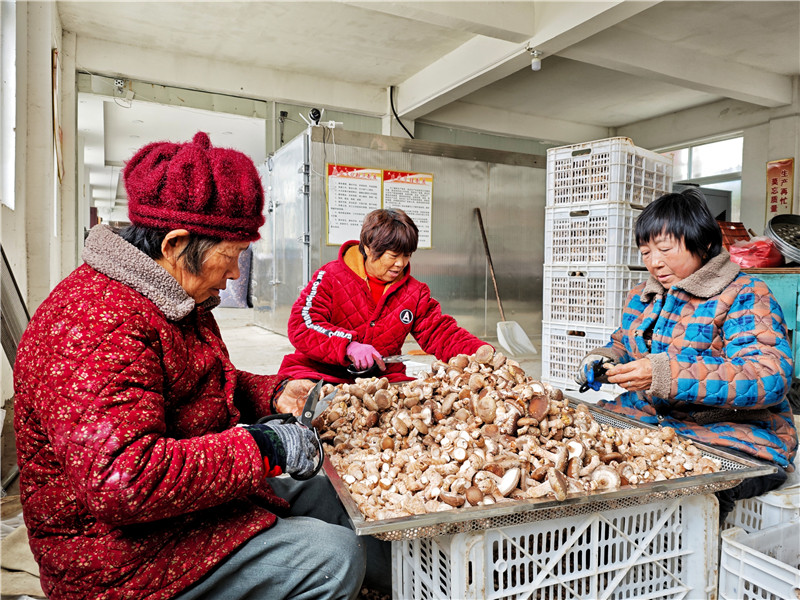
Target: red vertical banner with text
(780, 185)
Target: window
(8, 100)
(715, 165)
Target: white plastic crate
(588, 295)
(600, 235)
(665, 549)
(761, 565)
(563, 348)
(773, 508)
(609, 170)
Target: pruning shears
(593, 376)
(311, 409)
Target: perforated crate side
(773, 508)
(421, 568)
(588, 295)
(597, 235)
(610, 170)
(664, 549)
(761, 565)
(563, 348)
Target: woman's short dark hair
(684, 216)
(388, 230)
(149, 241)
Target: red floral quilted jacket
(336, 308)
(134, 481)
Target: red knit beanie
(209, 191)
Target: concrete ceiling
(466, 64)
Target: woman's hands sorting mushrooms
(477, 431)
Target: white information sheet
(352, 193)
(412, 193)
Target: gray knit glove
(299, 446)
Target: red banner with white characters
(780, 185)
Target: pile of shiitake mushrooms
(476, 431)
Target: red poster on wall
(780, 184)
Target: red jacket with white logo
(336, 308)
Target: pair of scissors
(374, 367)
(310, 410)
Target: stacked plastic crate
(760, 546)
(661, 551)
(595, 192)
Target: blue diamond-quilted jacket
(716, 340)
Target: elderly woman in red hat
(135, 480)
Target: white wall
(769, 134)
(754, 177)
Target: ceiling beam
(644, 56)
(462, 115)
(509, 21)
(484, 60)
(192, 72)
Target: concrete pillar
(390, 126)
(71, 233)
(43, 254)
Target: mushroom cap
(495, 468)
(574, 467)
(484, 354)
(606, 478)
(509, 481)
(609, 456)
(498, 360)
(460, 361)
(473, 495)
(383, 399)
(486, 408)
(561, 458)
(538, 407)
(558, 482)
(539, 473)
(455, 500)
(476, 382)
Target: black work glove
(286, 447)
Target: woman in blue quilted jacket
(703, 346)
(362, 306)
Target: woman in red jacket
(363, 305)
(135, 480)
